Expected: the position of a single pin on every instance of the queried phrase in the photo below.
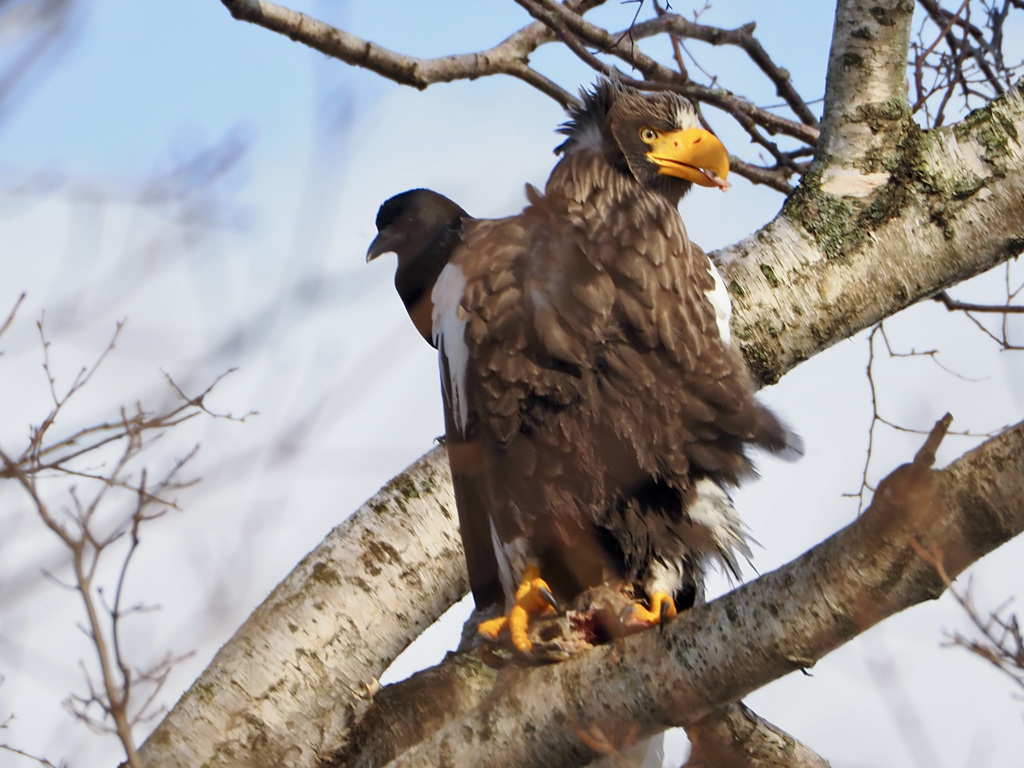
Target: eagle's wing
(468, 484)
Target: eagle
(596, 409)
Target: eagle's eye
(648, 135)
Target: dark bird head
(654, 136)
(421, 227)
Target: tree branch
(510, 57)
(865, 89)
(112, 702)
(954, 305)
(811, 277)
(785, 620)
(736, 737)
(741, 37)
(566, 24)
(287, 688)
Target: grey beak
(385, 242)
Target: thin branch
(1002, 643)
(510, 57)
(83, 377)
(776, 178)
(563, 21)
(199, 400)
(10, 317)
(719, 652)
(27, 755)
(115, 692)
(953, 304)
(743, 38)
(862, 493)
(959, 57)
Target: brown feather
(599, 393)
(593, 280)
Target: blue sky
(136, 80)
(347, 392)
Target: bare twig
(961, 57)
(1001, 643)
(10, 317)
(27, 755)
(866, 488)
(567, 23)
(1004, 310)
(953, 304)
(510, 57)
(42, 461)
(742, 38)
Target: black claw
(550, 599)
(664, 615)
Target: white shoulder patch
(449, 331)
(722, 304)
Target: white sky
(347, 391)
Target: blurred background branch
(92, 488)
(34, 34)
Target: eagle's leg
(662, 607)
(533, 597)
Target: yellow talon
(659, 601)
(492, 627)
(530, 601)
(518, 621)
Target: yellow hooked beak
(692, 154)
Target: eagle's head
(654, 136)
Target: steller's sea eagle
(596, 411)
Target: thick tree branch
(783, 621)
(736, 737)
(850, 250)
(287, 688)
(730, 737)
(865, 90)
(406, 713)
